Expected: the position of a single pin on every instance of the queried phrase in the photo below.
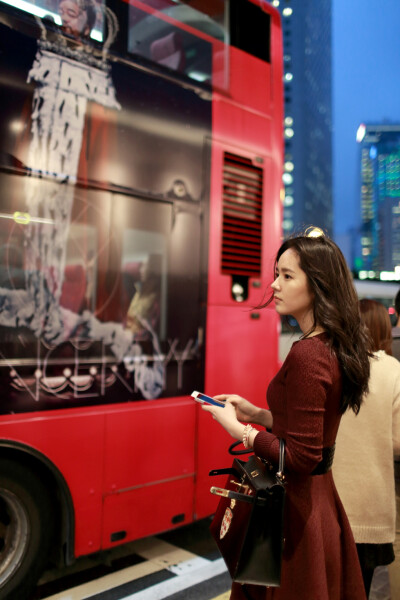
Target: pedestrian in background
(325, 373)
(396, 328)
(394, 569)
(363, 467)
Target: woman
(363, 469)
(144, 309)
(325, 373)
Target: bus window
(115, 290)
(255, 39)
(175, 46)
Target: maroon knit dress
(320, 559)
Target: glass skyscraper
(308, 114)
(380, 198)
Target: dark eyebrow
(284, 270)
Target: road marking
(188, 566)
(190, 569)
(224, 596)
(159, 555)
(106, 583)
(196, 573)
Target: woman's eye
(287, 276)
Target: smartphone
(203, 399)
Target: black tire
(26, 530)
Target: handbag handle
(281, 465)
(236, 452)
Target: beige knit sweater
(363, 465)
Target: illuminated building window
(287, 178)
(287, 224)
(288, 201)
(289, 166)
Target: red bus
(140, 175)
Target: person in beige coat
(363, 467)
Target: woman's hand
(226, 416)
(246, 411)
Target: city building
(379, 247)
(308, 114)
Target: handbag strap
(281, 466)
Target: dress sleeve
(307, 383)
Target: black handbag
(248, 523)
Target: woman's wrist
(263, 417)
(252, 437)
(237, 431)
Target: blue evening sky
(366, 89)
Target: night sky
(366, 89)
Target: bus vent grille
(242, 216)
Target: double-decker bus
(140, 177)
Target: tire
(26, 530)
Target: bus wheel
(26, 530)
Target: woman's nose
(275, 284)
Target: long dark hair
(376, 317)
(336, 310)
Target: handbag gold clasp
(280, 476)
(219, 491)
(241, 486)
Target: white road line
(107, 582)
(159, 555)
(199, 572)
(187, 566)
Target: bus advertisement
(140, 173)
